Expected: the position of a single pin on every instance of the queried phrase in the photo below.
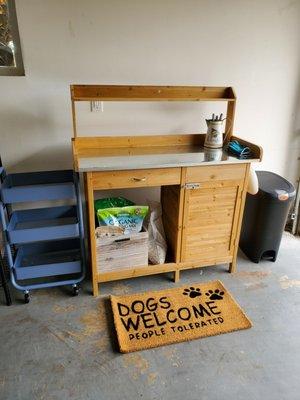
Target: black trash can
(265, 216)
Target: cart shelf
(47, 259)
(43, 224)
(38, 186)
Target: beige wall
(251, 45)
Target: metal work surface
(194, 157)
(59, 347)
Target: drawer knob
(139, 179)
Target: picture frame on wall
(11, 61)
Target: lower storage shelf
(133, 272)
(48, 259)
(43, 224)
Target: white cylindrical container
(214, 136)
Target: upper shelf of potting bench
(154, 93)
(151, 93)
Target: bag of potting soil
(109, 202)
(129, 217)
(157, 239)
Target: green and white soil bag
(157, 244)
(130, 217)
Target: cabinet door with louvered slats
(211, 211)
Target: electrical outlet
(96, 106)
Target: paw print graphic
(215, 294)
(192, 292)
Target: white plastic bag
(157, 240)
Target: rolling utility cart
(44, 246)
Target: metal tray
(47, 259)
(43, 224)
(38, 186)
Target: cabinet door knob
(139, 179)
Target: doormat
(145, 320)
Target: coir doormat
(146, 320)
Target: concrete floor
(61, 347)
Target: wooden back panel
(102, 142)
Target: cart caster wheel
(75, 290)
(26, 298)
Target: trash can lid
(275, 185)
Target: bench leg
(176, 276)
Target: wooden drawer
(216, 173)
(136, 178)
